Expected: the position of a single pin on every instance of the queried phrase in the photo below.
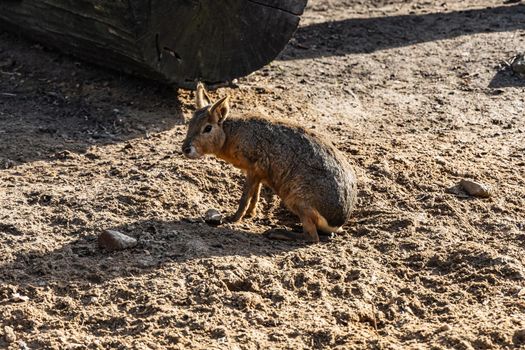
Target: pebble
(475, 189)
(213, 217)
(114, 240)
(518, 64)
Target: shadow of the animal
(159, 243)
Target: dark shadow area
(353, 36)
(506, 78)
(51, 103)
(159, 243)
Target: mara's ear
(201, 96)
(220, 110)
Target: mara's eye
(207, 129)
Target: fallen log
(176, 41)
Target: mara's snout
(190, 151)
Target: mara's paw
(251, 214)
(233, 219)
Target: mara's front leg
(252, 208)
(249, 195)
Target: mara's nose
(187, 150)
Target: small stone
(9, 335)
(213, 217)
(23, 345)
(518, 64)
(475, 189)
(114, 240)
(19, 298)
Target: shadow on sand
(51, 103)
(366, 35)
(159, 243)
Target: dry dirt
(417, 95)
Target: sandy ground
(417, 95)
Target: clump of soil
(413, 94)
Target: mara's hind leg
(309, 219)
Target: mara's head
(205, 134)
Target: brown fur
(314, 180)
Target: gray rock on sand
(213, 217)
(518, 64)
(476, 189)
(114, 240)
